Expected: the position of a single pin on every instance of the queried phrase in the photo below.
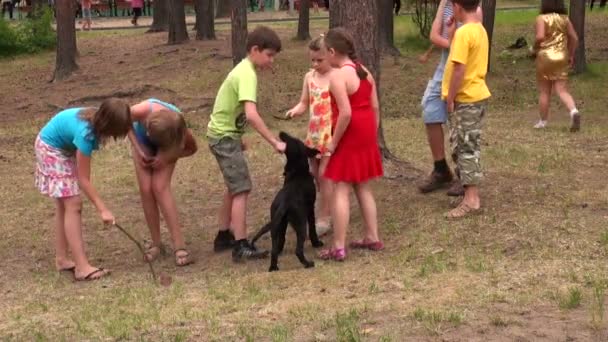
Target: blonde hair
(317, 44)
(166, 129)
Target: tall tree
(304, 21)
(224, 8)
(177, 22)
(239, 30)
(65, 63)
(205, 25)
(577, 17)
(336, 9)
(160, 19)
(386, 27)
(489, 13)
(360, 17)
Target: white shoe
(540, 124)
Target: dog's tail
(279, 214)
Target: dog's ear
(312, 152)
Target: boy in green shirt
(465, 92)
(235, 106)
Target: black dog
(293, 204)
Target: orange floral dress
(319, 126)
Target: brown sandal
(184, 258)
(461, 211)
(152, 253)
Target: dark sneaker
(435, 181)
(223, 241)
(243, 250)
(456, 189)
(576, 123)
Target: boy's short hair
(264, 38)
(468, 5)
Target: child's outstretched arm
(254, 118)
(84, 181)
(300, 108)
(338, 88)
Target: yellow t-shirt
(469, 47)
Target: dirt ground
(531, 267)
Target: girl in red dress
(355, 154)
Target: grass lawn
(531, 267)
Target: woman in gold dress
(555, 44)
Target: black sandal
(89, 277)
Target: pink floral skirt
(56, 174)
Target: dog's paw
(309, 264)
(273, 269)
(317, 244)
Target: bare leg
(544, 98)
(436, 140)
(161, 186)
(367, 203)
(62, 259)
(561, 89)
(326, 189)
(341, 213)
(148, 201)
(239, 215)
(73, 233)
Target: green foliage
(29, 36)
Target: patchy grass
(495, 276)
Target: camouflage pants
(465, 140)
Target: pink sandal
(366, 244)
(338, 254)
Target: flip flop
(338, 254)
(90, 276)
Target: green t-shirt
(228, 117)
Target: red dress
(357, 158)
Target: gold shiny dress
(552, 56)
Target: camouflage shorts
(465, 140)
(232, 162)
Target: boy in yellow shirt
(464, 90)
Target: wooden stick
(140, 247)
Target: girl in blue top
(63, 154)
(160, 137)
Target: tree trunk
(177, 22)
(224, 8)
(336, 13)
(304, 21)
(291, 6)
(205, 25)
(577, 17)
(489, 12)
(360, 17)
(386, 27)
(65, 63)
(239, 30)
(160, 20)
